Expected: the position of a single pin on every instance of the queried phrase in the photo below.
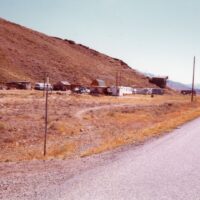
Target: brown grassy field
(81, 125)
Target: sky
(152, 36)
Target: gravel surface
(166, 168)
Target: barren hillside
(25, 54)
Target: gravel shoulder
(103, 176)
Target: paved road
(164, 169)
(167, 168)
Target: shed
(62, 85)
(159, 81)
(19, 85)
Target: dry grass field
(82, 125)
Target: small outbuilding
(62, 85)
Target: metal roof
(100, 82)
(64, 82)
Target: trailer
(120, 90)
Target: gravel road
(166, 168)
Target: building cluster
(96, 87)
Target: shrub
(2, 126)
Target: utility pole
(46, 85)
(120, 78)
(192, 95)
(117, 80)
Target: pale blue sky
(155, 36)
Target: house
(120, 90)
(98, 83)
(98, 86)
(62, 85)
(24, 85)
(159, 81)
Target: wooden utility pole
(192, 95)
(120, 78)
(44, 83)
(46, 113)
(117, 81)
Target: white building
(120, 90)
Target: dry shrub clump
(63, 150)
(2, 126)
(64, 128)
